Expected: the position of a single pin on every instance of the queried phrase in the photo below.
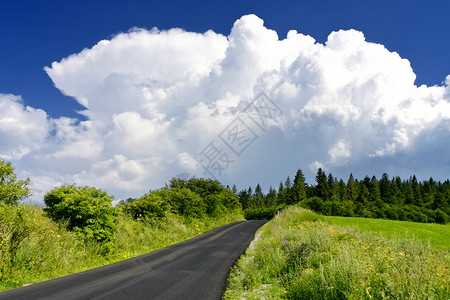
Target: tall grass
(34, 248)
(301, 256)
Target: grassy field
(301, 255)
(438, 235)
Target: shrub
(87, 211)
(262, 213)
(441, 217)
(150, 206)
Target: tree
(288, 183)
(352, 188)
(244, 198)
(87, 211)
(385, 188)
(298, 190)
(281, 193)
(12, 190)
(149, 206)
(258, 195)
(374, 189)
(322, 185)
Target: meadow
(438, 235)
(303, 255)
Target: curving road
(195, 269)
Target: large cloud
(158, 101)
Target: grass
(33, 248)
(300, 255)
(437, 235)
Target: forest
(386, 198)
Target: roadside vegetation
(302, 255)
(79, 229)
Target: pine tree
(322, 185)
(352, 189)
(271, 198)
(288, 183)
(298, 190)
(258, 195)
(418, 200)
(342, 190)
(385, 189)
(374, 190)
(281, 194)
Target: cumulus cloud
(154, 100)
(23, 129)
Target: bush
(262, 213)
(441, 217)
(150, 206)
(87, 211)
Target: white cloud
(23, 129)
(154, 99)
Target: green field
(438, 235)
(302, 255)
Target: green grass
(34, 248)
(438, 235)
(300, 255)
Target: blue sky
(372, 119)
(36, 33)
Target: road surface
(194, 269)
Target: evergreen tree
(288, 183)
(281, 194)
(322, 185)
(258, 196)
(244, 198)
(364, 194)
(352, 189)
(298, 190)
(342, 190)
(385, 188)
(271, 198)
(374, 190)
(418, 200)
(331, 192)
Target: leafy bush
(262, 213)
(441, 217)
(193, 198)
(12, 190)
(87, 211)
(149, 206)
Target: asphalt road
(194, 269)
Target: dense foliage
(193, 198)
(87, 211)
(396, 199)
(12, 190)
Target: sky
(124, 95)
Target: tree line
(387, 198)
